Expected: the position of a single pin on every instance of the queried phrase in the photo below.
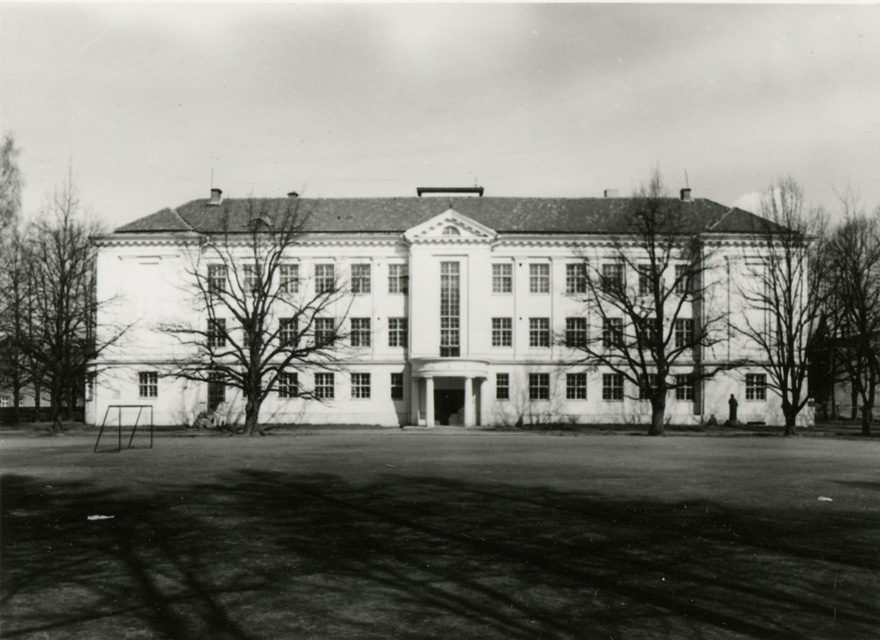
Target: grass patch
(490, 536)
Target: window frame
(288, 277)
(576, 336)
(613, 387)
(288, 329)
(217, 283)
(651, 383)
(361, 283)
(361, 386)
(613, 283)
(685, 335)
(505, 377)
(397, 389)
(685, 390)
(325, 282)
(539, 282)
(325, 386)
(756, 385)
(361, 334)
(398, 332)
(502, 332)
(398, 278)
(216, 333)
(148, 384)
(539, 333)
(324, 337)
(612, 333)
(539, 387)
(576, 386)
(287, 385)
(502, 283)
(575, 278)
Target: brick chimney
(686, 195)
(216, 197)
(612, 193)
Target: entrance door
(447, 403)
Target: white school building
(458, 317)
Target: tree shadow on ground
(281, 555)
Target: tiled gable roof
(164, 220)
(396, 215)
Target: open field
(400, 534)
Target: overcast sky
(526, 100)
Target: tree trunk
(252, 417)
(16, 400)
(790, 412)
(55, 412)
(854, 398)
(658, 418)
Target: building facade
(459, 307)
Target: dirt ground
(390, 533)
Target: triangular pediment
(450, 226)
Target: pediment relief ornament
(450, 227)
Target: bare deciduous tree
(60, 340)
(854, 276)
(654, 329)
(260, 321)
(784, 289)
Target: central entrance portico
(449, 394)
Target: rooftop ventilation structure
(216, 197)
(439, 190)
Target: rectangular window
(360, 278)
(539, 386)
(502, 332)
(539, 278)
(325, 278)
(216, 278)
(681, 279)
(575, 332)
(4, 402)
(288, 385)
(148, 384)
(288, 278)
(397, 386)
(612, 387)
(576, 278)
(216, 333)
(325, 387)
(756, 386)
(398, 278)
(449, 310)
(647, 386)
(576, 386)
(397, 332)
(249, 278)
(539, 332)
(360, 385)
(502, 278)
(502, 386)
(649, 330)
(216, 390)
(612, 278)
(684, 389)
(684, 333)
(325, 332)
(360, 332)
(612, 332)
(287, 330)
(645, 287)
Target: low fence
(33, 414)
